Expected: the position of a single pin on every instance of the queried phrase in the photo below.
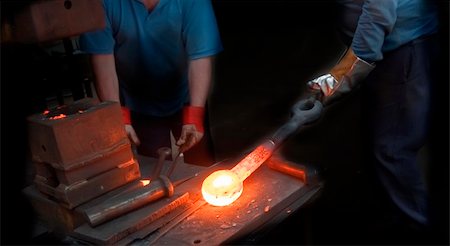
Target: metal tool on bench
(178, 159)
(223, 187)
(163, 153)
(120, 205)
(306, 174)
(309, 101)
(159, 187)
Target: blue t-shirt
(152, 49)
(385, 25)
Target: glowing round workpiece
(221, 188)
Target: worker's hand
(132, 135)
(128, 127)
(344, 77)
(192, 130)
(324, 84)
(189, 137)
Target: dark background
(271, 48)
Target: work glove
(128, 127)
(345, 76)
(192, 129)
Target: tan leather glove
(344, 77)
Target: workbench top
(185, 218)
(268, 197)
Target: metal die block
(46, 173)
(71, 135)
(48, 20)
(99, 164)
(78, 193)
(57, 218)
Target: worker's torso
(412, 19)
(152, 49)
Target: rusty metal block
(70, 136)
(48, 20)
(44, 170)
(101, 163)
(75, 194)
(57, 217)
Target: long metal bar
(117, 206)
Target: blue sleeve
(200, 32)
(375, 23)
(98, 42)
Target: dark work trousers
(398, 98)
(154, 133)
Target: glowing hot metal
(225, 186)
(145, 182)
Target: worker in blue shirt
(392, 47)
(155, 57)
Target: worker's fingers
(193, 138)
(132, 135)
(183, 136)
(189, 137)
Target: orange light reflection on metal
(253, 160)
(56, 117)
(223, 187)
(145, 182)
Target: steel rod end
(167, 184)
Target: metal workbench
(268, 198)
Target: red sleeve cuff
(194, 115)
(126, 116)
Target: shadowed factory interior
(271, 49)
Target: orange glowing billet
(223, 187)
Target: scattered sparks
(225, 226)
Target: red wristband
(126, 116)
(194, 115)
